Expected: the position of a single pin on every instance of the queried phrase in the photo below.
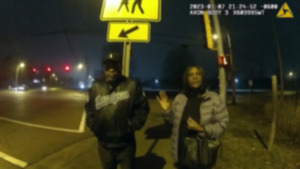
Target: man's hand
(163, 100)
(193, 125)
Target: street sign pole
(123, 59)
(126, 58)
(129, 31)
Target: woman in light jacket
(194, 111)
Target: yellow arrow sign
(143, 10)
(133, 32)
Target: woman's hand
(163, 100)
(193, 125)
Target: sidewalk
(84, 155)
(153, 149)
(77, 156)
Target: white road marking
(80, 130)
(82, 122)
(13, 160)
(23, 164)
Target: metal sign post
(126, 59)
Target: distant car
(22, 87)
(44, 88)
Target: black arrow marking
(123, 34)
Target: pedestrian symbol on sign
(139, 3)
(133, 10)
(123, 2)
(136, 2)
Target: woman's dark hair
(186, 89)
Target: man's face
(112, 70)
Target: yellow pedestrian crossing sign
(133, 32)
(143, 10)
(285, 12)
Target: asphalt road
(35, 124)
(46, 130)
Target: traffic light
(34, 70)
(48, 69)
(67, 68)
(208, 32)
(223, 61)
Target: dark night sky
(33, 30)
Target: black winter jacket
(115, 111)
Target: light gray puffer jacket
(214, 118)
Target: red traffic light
(48, 69)
(67, 68)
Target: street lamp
(83, 67)
(80, 66)
(291, 74)
(21, 65)
(236, 80)
(215, 36)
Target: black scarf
(194, 92)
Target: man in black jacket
(116, 108)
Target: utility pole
(17, 76)
(279, 62)
(222, 76)
(232, 69)
(86, 72)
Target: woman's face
(194, 78)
